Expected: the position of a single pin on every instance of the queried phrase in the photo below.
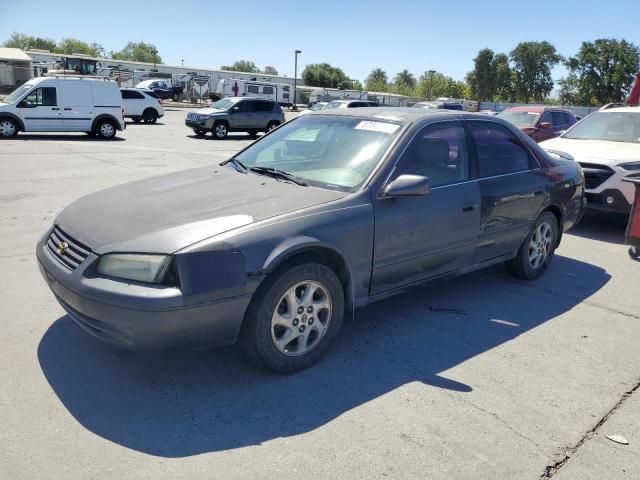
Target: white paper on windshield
(533, 113)
(383, 127)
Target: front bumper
(136, 316)
(611, 200)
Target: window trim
(34, 90)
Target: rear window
(262, 106)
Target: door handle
(470, 208)
(55, 108)
(68, 109)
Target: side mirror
(408, 186)
(545, 125)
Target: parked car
(489, 112)
(141, 105)
(236, 114)
(163, 88)
(539, 122)
(428, 105)
(607, 146)
(329, 212)
(63, 104)
(450, 106)
(314, 108)
(350, 104)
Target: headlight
(630, 165)
(139, 267)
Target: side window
(267, 90)
(499, 151)
(547, 117)
(285, 88)
(439, 152)
(263, 106)
(559, 118)
(41, 97)
(243, 107)
(137, 95)
(253, 89)
(127, 94)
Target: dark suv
(236, 114)
(539, 122)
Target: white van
(63, 104)
(278, 92)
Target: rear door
(420, 237)
(77, 101)
(134, 102)
(261, 112)
(41, 111)
(512, 188)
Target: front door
(41, 111)
(420, 237)
(77, 100)
(240, 115)
(512, 188)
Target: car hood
(209, 111)
(167, 213)
(595, 151)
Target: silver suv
(236, 114)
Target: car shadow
(71, 137)
(136, 124)
(190, 402)
(601, 226)
(230, 136)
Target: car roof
(403, 115)
(621, 109)
(253, 99)
(536, 108)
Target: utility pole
(431, 74)
(295, 80)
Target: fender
(105, 115)
(13, 116)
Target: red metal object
(633, 228)
(634, 95)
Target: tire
(273, 331)
(105, 129)
(199, 132)
(272, 124)
(175, 97)
(220, 130)
(537, 249)
(252, 133)
(150, 116)
(8, 128)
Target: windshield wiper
(243, 168)
(276, 173)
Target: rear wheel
(150, 116)
(137, 119)
(294, 318)
(105, 129)
(537, 249)
(273, 124)
(220, 130)
(8, 128)
(175, 97)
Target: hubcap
(106, 130)
(221, 131)
(272, 126)
(7, 129)
(301, 318)
(540, 245)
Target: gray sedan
(277, 245)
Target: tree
(432, 84)
(269, 70)
(138, 52)
(325, 75)
(532, 64)
(601, 72)
(27, 42)
(482, 79)
(242, 66)
(503, 79)
(404, 83)
(376, 81)
(69, 46)
(356, 85)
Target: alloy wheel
(540, 245)
(221, 130)
(301, 318)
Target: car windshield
(520, 118)
(16, 94)
(332, 105)
(327, 151)
(224, 104)
(318, 106)
(613, 126)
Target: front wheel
(220, 130)
(294, 318)
(272, 125)
(8, 128)
(537, 249)
(175, 97)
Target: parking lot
(483, 376)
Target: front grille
(74, 253)
(594, 174)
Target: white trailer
(279, 92)
(328, 94)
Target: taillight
(123, 114)
(160, 101)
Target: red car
(539, 122)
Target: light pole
(182, 60)
(431, 74)
(155, 52)
(295, 80)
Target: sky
(419, 35)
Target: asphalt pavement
(480, 377)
